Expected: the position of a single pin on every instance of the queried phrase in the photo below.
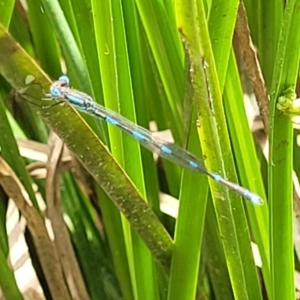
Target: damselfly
(61, 91)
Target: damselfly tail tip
(255, 199)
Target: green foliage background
(172, 62)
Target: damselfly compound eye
(55, 93)
(65, 79)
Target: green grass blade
(280, 170)
(216, 147)
(245, 157)
(191, 216)
(70, 48)
(88, 148)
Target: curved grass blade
(15, 66)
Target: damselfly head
(57, 86)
